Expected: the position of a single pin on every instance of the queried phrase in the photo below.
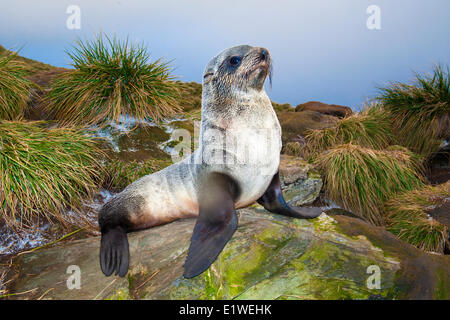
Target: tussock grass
(190, 95)
(370, 128)
(282, 107)
(112, 78)
(31, 66)
(120, 174)
(15, 94)
(361, 179)
(44, 171)
(420, 111)
(408, 218)
(293, 149)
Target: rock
(439, 165)
(329, 109)
(300, 182)
(441, 213)
(340, 212)
(303, 192)
(295, 124)
(269, 257)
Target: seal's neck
(239, 104)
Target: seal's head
(237, 69)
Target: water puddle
(12, 242)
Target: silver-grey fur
(240, 135)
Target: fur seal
(235, 165)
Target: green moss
(301, 223)
(339, 273)
(281, 285)
(442, 291)
(313, 276)
(120, 294)
(188, 289)
(213, 286)
(324, 223)
(280, 261)
(255, 260)
(275, 236)
(313, 174)
(249, 262)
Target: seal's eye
(234, 61)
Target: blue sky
(322, 49)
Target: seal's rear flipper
(216, 223)
(272, 200)
(114, 252)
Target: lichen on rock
(269, 257)
(300, 182)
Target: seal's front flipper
(272, 200)
(216, 223)
(114, 251)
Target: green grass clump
(292, 149)
(112, 78)
(29, 65)
(282, 107)
(420, 111)
(44, 171)
(370, 128)
(15, 89)
(408, 218)
(190, 95)
(361, 179)
(120, 174)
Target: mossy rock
(140, 144)
(300, 182)
(269, 257)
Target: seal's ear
(216, 223)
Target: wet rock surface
(439, 166)
(300, 182)
(278, 258)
